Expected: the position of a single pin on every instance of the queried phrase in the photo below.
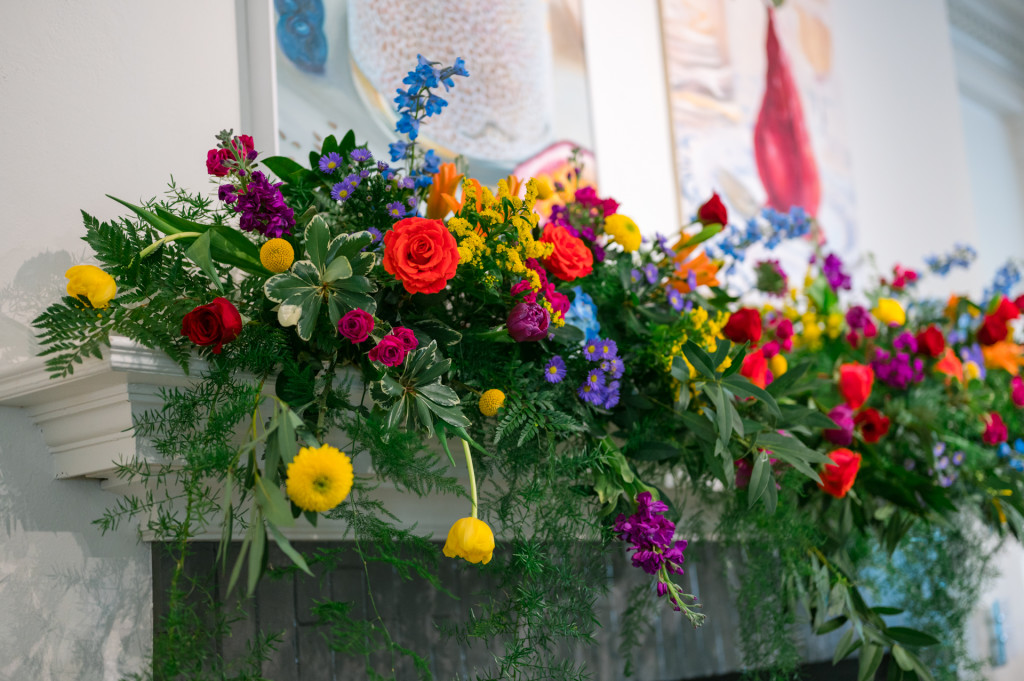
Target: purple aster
(651, 273)
(691, 280)
(341, 191)
(407, 182)
(382, 166)
(554, 372)
(395, 209)
(833, 270)
(608, 348)
(590, 393)
(675, 299)
(958, 458)
(263, 208)
(939, 449)
(592, 350)
(353, 179)
(909, 464)
(663, 244)
(616, 367)
(611, 395)
(636, 276)
(595, 378)
(360, 155)
(973, 355)
(942, 464)
(375, 233)
(363, 174)
(947, 480)
(330, 163)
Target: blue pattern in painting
(300, 33)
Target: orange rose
(420, 253)
(571, 258)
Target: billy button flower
(277, 255)
(491, 401)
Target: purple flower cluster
(262, 206)
(900, 368)
(597, 390)
(650, 534)
(946, 475)
(834, 274)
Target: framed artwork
(756, 112)
(326, 66)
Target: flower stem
(170, 237)
(472, 476)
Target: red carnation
(214, 324)
(744, 326)
(713, 212)
(992, 330)
(855, 381)
(872, 424)
(837, 477)
(931, 341)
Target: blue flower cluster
(962, 255)
(1005, 279)
(582, 314)
(734, 241)
(416, 103)
(1013, 454)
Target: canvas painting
(523, 110)
(756, 110)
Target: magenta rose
(356, 325)
(407, 337)
(389, 352)
(528, 322)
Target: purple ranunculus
(528, 322)
(389, 351)
(843, 416)
(408, 338)
(356, 325)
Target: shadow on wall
(38, 283)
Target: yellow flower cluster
(705, 332)
(319, 478)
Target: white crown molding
(986, 36)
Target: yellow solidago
(277, 255)
(623, 231)
(93, 283)
(471, 539)
(491, 401)
(319, 478)
(834, 324)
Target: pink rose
(406, 336)
(356, 325)
(390, 351)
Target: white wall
(95, 98)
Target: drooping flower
(491, 401)
(837, 478)
(277, 255)
(92, 283)
(554, 372)
(319, 478)
(470, 539)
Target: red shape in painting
(782, 145)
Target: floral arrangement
(596, 383)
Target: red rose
(1006, 310)
(214, 324)
(571, 258)
(755, 368)
(215, 158)
(873, 425)
(855, 381)
(837, 477)
(931, 341)
(744, 326)
(992, 330)
(420, 253)
(713, 212)
(1018, 302)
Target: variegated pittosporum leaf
(417, 395)
(334, 272)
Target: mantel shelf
(87, 422)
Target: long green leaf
(199, 253)
(288, 549)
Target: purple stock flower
(227, 193)
(528, 322)
(650, 534)
(663, 244)
(263, 208)
(905, 341)
(857, 317)
(834, 274)
(554, 372)
(897, 370)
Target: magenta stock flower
(650, 534)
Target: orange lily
(950, 365)
(514, 184)
(446, 179)
(1004, 355)
(704, 269)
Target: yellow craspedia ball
(93, 283)
(319, 478)
(890, 311)
(472, 539)
(778, 365)
(623, 231)
(277, 255)
(491, 401)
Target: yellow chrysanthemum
(889, 311)
(624, 231)
(277, 255)
(93, 283)
(319, 478)
(491, 401)
(471, 539)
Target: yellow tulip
(93, 283)
(890, 311)
(472, 539)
